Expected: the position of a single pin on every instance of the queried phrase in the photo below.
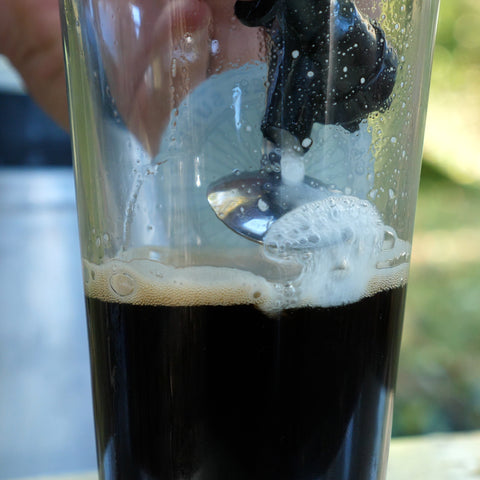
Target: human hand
(153, 53)
(30, 37)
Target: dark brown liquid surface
(224, 393)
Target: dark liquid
(227, 393)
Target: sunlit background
(439, 379)
(45, 410)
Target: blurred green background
(439, 377)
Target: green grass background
(438, 385)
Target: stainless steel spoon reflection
(250, 202)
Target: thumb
(165, 62)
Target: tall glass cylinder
(246, 176)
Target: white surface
(46, 420)
(436, 457)
(432, 457)
(10, 80)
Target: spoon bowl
(250, 202)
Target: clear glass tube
(246, 178)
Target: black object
(327, 64)
(229, 392)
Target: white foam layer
(343, 250)
(147, 282)
(337, 241)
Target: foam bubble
(338, 220)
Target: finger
(235, 43)
(160, 53)
(33, 43)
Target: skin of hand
(150, 69)
(30, 37)
(165, 49)
(153, 53)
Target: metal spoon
(250, 202)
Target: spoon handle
(327, 64)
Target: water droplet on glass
(389, 239)
(262, 206)
(215, 47)
(306, 142)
